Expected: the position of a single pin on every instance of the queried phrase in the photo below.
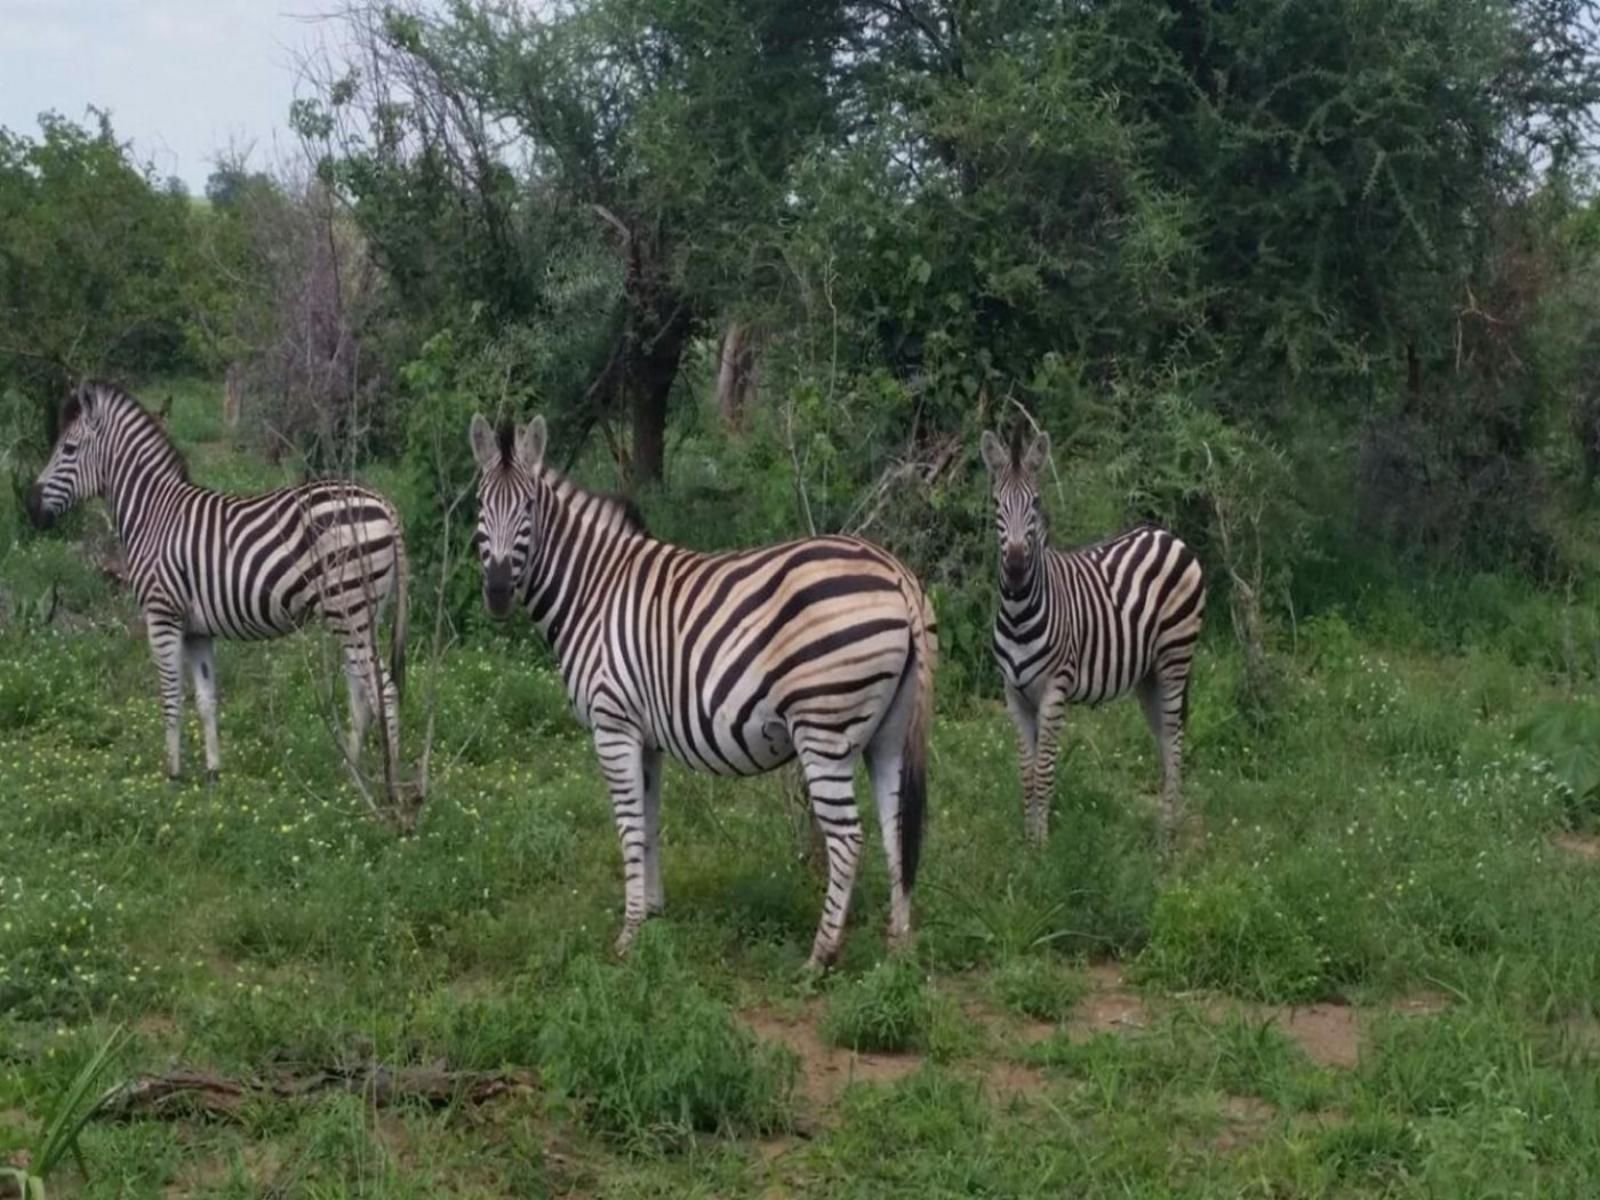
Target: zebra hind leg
(198, 651)
(655, 894)
(371, 691)
(1163, 694)
(830, 780)
(166, 647)
(885, 755)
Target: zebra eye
(68, 449)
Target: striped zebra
(206, 565)
(1087, 625)
(821, 649)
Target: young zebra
(206, 565)
(1087, 625)
(732, 663)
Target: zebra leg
(622, 761)
(370, 689)
(360, 705)
(1026, 719)
(166, 647)
(655, 895)
(1051, 715)
(1163, 695)
(830, 779)
(883, 766)
(203, 674)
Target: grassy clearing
(1374, 975)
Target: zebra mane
(611, 503)
(113, 398)
(569, 490)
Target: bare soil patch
(826, 1070)
(1328, 1034)
(1580, 845)
(1110, 1007)
(1246, 1118)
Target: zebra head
(509, 466)
(74, 470)
(1019, 511)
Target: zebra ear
(530, 445)
(995, 456)
(484, 447)
(1038, 454)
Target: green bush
(651, 1058)
(888, 1010)
(1230, 932)
(1038, 986)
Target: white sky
(181, 78)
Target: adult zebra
(1087, 625)
(206, 565)
(732, 663)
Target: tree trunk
(735, 375)
(651, 371)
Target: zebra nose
(35, 507)
(1014, 558)
(497, 588)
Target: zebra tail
(402, 613)
(914, 758)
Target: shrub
(1038, 986)
(651, 1058)
(887, 1010)
(1226, 932)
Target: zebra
(205, 565)
(1087, 625)
(735, 663)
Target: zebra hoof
(212, 776)
(816, 967)
(174, 779)
(624, 942)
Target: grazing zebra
(206, 565)
(1087, 625)
(734, 663)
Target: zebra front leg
(166, 647)
(1026, 719)
(1051, 715)
(203, 674)
(830, 780)
(655, 894)
(622, 761)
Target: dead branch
(187, 1093)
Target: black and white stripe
(1088, 625)
(733, 663)
(206, 565)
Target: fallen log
(186, 1093)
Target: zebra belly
(722, 745)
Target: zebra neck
(574, 570)
(133, 490)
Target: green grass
(1389, 833)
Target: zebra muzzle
(497, 588)
(38, 515)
